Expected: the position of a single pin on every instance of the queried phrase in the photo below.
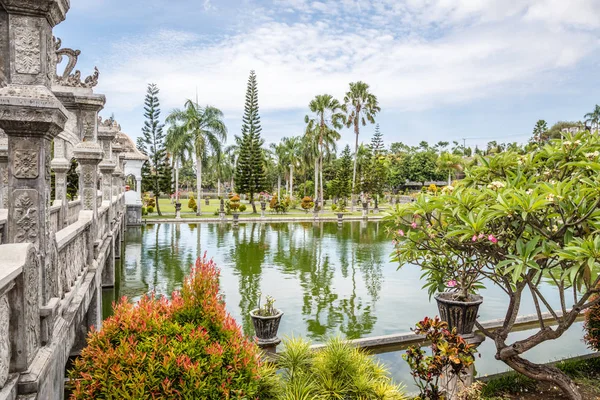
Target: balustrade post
(31, 117)
(106, 135)
(116, 175)
(60, 166)
(3, 170)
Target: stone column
(122, 174)
(3, 171)
(89, 154)
(31, 116)
(116, 175)
(60, 166)
(108, 164)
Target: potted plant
(450, 355)
(234, 205)
(207, 200)
(453, 278)
(266, 321)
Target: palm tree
(360, 106)
(326, 120)
(450, 163)
(293, 150)
(233, 152)
(593, 118)
(206, 131)
(278, 151)
(178, 144)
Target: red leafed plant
(450, 354)
(592, 326)
(187, 347)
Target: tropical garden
(523, 218)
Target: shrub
(144, 211)
(150, 209)
(234, 202)
(338, 371)
(333, 207)
(592, 327)
(449, 352)
(188, 347)
(242, 207)
(192, 204)
(307, 203)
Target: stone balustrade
(74, 208)
(55, 218)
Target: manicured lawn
(168, 211)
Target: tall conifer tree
(153, 140)
(377, 146)
(250, 175)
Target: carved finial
(68, 78)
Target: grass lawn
(513, 386)
(168, 211)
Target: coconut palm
(360, 106)
(593, 118)
(293, 150)
(450, 163)
(206, 131)
(179, 146)
(327, 118)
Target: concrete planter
(459, 314)
(207, 202)
(265, 328)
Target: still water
(327, 280)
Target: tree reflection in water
(335, 273)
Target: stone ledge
(66, 235)
(13, 258)
(9, 391)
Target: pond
(328, 281)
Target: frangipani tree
(519, 222)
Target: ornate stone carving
(88, 199)
(88, 177)
(32, 305)
(26, 214)
(4, 339)
(27, 50)
(70, 78)
(26, 164)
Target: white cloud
(482, 49)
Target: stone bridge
(62, 201)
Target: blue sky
(442, 69)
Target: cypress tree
(153, 140)
(342, 184)
(250, 174)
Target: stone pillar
(3, 171)
(108, 164)
(89, 154)
(138, 186)
(122, 174)
(31, 116)
(118, 171)
(60, 166)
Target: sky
(443, 70)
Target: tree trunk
(279, 187)
(546, 373)
(355, 163)
(316, 180)
(177, 182)
(291, 181)
(449, 178)
(321, 182)
(219, 188)
(199, 184)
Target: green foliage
(268, 309)
(250, 174)
(188, 347)
(234, 202)
(449, 352)
(157, 173)
(307, 203)
(242, 207)
(592, 326)
(540, 131)
(278, 206)
(342, 184)
(150, 209)
(144, 211)
(338, 371)
(192, 204)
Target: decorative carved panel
(25, 164)
(4, 339)
(27, 49)
(26, 215)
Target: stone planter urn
(340, 218)
(265, 328)
(263, 208)
(236, 217)
(459, 314)
(177, 210)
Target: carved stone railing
(55, 218)
(73, 210)
(3, 220)
(103, 221)
(73, 248)
(19, 312)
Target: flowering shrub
(192, 204)
(526, 223)
(188, 347)
(450, 354)
(592, 327)
(307, 203)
